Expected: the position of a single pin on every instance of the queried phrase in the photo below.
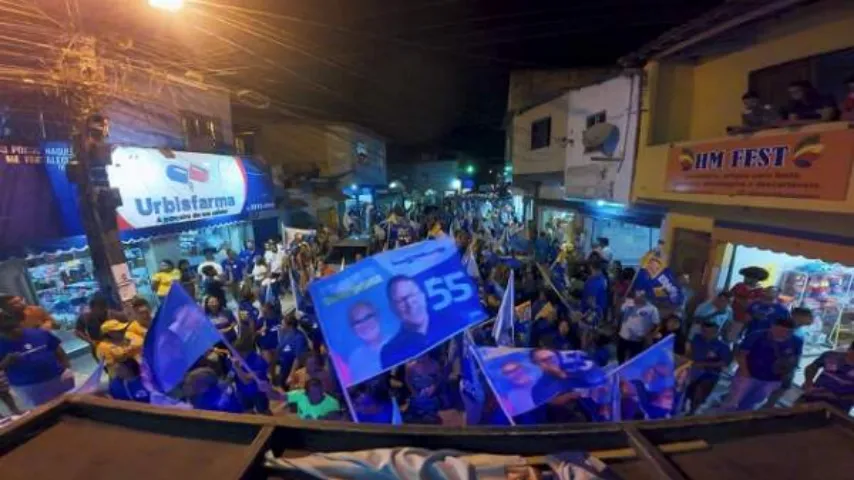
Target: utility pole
(83, 83)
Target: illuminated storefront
(175, 205)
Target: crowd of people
(274, 359)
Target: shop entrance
(825, 288)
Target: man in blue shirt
(33, 361)
(596, 288)
(293, 344)
(765, 312)
(835, 384)
(765, 358)
(248, 254)
(709, 355)
(717, 310)
(233, 269)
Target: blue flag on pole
(502, 330)
(396, 417)
(470, 265)
(298, 303)
(646, 383)
(179, 335)
(660, 285)
(471, 387)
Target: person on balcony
(806, 104)
(757, 115)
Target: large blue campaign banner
(394, 306)
(30, 208)
(526, 378)
(647, 384)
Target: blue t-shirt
(38, 361)
(247, 257)
(270, 339)
(714, 350)
(218, 399)
(763, 316)
(837, 377)
(596, 287)
(233, 269)
(225, 322)
(259, 367)
(292, 345)
(130, 391)
(763, 354)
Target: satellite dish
(602, 137)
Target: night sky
(435, 72)
(423, 73)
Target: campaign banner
(791, 165)
(394, 306)
(162, 187)
(526, 378)
(657, 279)
(647, 384)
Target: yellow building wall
(684, 102)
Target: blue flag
(646, 383)
(660, 285)
(298, 302)
(470, 264)
(394, 306)
(180, 334)
(471, 387)
(502, 330)
(93, 383)
(396, 417)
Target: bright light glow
(456, 184)
(354, 187)
(168, 5)
(392, 185)
(508, 168)
(470, 169)
(600, 203)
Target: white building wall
(605, 180)
(547, 159)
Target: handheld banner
(526, 378)
(394, 306)
(647, 384)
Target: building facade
(574, 155)
(778, 196)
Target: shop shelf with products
(826, 290)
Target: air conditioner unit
(602, 137)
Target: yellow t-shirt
(164, 281)
(136, 329)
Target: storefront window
(629, 242)
(823, 287)
(63, 284)
(558, 222)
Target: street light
(456, 184)
(470, 169)
(168, 5)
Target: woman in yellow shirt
(117, 345)
(161, 281)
